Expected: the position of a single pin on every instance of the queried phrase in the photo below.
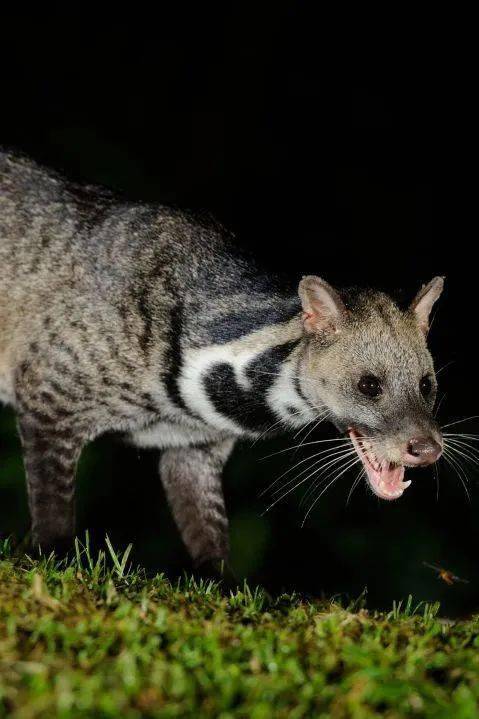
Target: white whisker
(459, 439)
(307, 444)
(320, 473)
(317, 420)
(436, 474)
(282, 420)
(330, 451)
(439, 404)
(298, 484)
(464, 437)
(315, 426)
(458, 471)
(444, 366)
(464, 451)
(334, 479)
(325, 454)
(466, 419)
(359, 476)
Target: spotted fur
(135, 318)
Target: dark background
(338, 146)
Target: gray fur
(137, 318)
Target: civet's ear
(323, 308)
(424, 300)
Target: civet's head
(367, 363)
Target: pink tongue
(386, 481)
(392, 476)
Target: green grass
(96, 638)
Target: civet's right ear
(422, 304)
(323, 308)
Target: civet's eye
(370, 385)
(425, 385)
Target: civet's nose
(422, 451)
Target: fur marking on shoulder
(174, 358)
(248, 406)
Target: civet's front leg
(192, 480)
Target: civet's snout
(421, 451)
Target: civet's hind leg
(52, 437)
(50, 464)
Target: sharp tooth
(405, 485)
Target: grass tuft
(95, 637)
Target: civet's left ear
(323, 308)
(423, 302)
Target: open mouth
(385, 479)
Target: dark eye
(425, 385)
(370, 385)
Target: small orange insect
(445, 574)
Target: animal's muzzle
(422, 451)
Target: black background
(338, 146)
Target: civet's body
(140, 319)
